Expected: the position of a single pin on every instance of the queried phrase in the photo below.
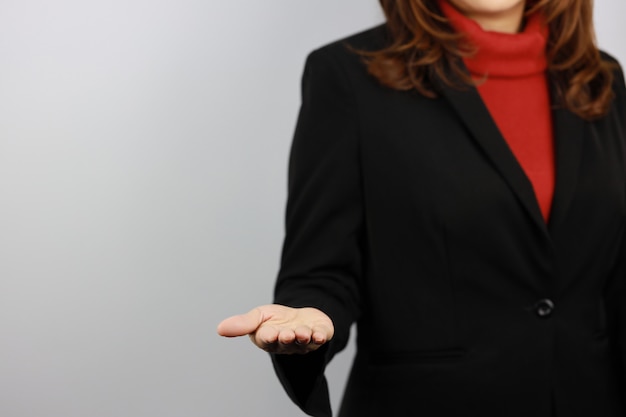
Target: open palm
(279, 329)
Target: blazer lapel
(568, 136)
(475, 115)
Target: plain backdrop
(143, 155)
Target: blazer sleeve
(616, 289)
(322, 250)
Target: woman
(458, 188)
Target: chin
(487, 6)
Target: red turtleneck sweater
(515, 90)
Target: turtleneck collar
(502, 55)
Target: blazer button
(544, 308)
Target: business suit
(412, 217)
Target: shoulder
(340, 64)
(618, 82)
(618, 108)
(344, 52)
(369, 40)
(608, 57)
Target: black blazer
(412, 217)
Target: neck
(498, 54)
(505, 21)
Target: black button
(544, 308)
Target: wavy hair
(423, 47)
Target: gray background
(143, 152)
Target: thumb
(242, 324)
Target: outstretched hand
(279, 329)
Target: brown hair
(423, 46)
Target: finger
(266, 335)
(286, 336)
(321, 334)
(242, 324)
(303, 335)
